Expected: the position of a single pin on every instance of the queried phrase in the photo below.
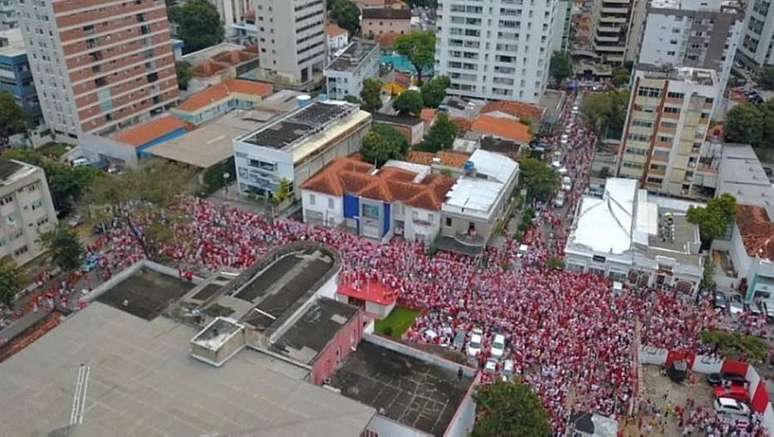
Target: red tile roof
(223, 91)
(757, 231)
(428, 115)
(519, 110)
(387, 39)
(448, 159)
(208, 69)
(234, 57)
(146, 132)
(503, 128)
(334, 30)
(350, 176)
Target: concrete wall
(375, 27)
(465, 416)
(384, 426)
(320, 208)
(336, 351)
(97, 148)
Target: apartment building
(346, 73)
(692, 33)
(497, 50)
(756, 48)
(26, 210)
(99, 66)
(16, 76)
(615, 24)
(8, 18)
(666, 127)
(291, 39)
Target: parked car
(733, 391)
(562, 171)
(80, 162)
(754, 308)
(733, 378)
(498, 346)
(459, 339)
(721, 300)
(768, 309)
(507, 369)
(490, 366)
(556, 164)
(731, 407)
(474, 345)
(566, 183)
(559, 199)
(735, 304)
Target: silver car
(735, 304)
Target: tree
(766, 78)
(408, 103)
(744, 124)
(621, 77)
(555, 263)
(354, 100)
(734, 345)
(714, 219)
(561, 66)
(65, 247)
(434, 91)
(708, 276)
(371, 95)
(606, 112)
(11, 279)
(346, 14)
(184, 74)
(441, 135)
(12, 120)
(419, 49)
(280, 195)
(537, 178)
(199, 24)
(509, 409)
(382, 144)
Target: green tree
(199, 24)
(509, 409)
(65, 247)
(737, 346)
(434, 91)
(606, 112)
(537, 178)
(621, 77)
(354, 100)
(419, 49)
(11, 280)
(215, 178)
(346, 14)
(744, 124)
(766, 78)
(708, 276)
(714, 219)
(383, 143)
(441, 135)
(184, 74)
(561, 66)
(408, 103)
(12, 119)
(371, 95)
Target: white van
(80, 162)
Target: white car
(80, 162)
(562, 171)
(566, 183)
(490, 366)
(556, 163)
(507, 369)
(498, 346)
(735, 304)
(565, 138)
(559, 199)
(474, 345)
(731, 407)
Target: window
(311, 199)
(671, 110)
(649, 92)
(448, 221)
(330, 203)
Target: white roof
(605, 225)
(472, 196)
(494, 165)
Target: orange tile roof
(757, 231)
(503, 128)
(387, 39)
(223, 91)
(519, 110)
(428, 114)
(334, 30)
(350, 176)
(448, 159)
(233, 57)
(463, 124)
(208, 69)
(146, 132)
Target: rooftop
(405, 120)
(9, 168)
(401, 387)
(519, 110)
(331, 29)
(12, 43)
(698, 76)
(386, 14)
(444, 158)
(502, 128)
(227, 89)
(742, 175)
(413, 185)
(605, 225)
(477, 194)
(147, 132)
(353, 56)
(142, 381)
(756, 230)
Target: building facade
(756, 48)
(291, 39)
(615, 25)
(666, 127)
(8, 18)
(99, 66)
(26, 209)
(16, 75)
(497, 51)
(344, 76)
(692, 34)
(376, 22)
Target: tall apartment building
(99, 66)
(8, 18)
(16, 75)
(757, 46)
(26, 209)
(666, 127)
(291, 39)
(692, 33)
(499, 49)
(238, 17)
(615, 24)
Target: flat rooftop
(354, 55)
(145, 293)
(314, 330)
(699, 76)
(741, 174)
(143, 382)
(401, 387)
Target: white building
(238, 17)
(337, 38)
(26, 209)
(628, 235)
(345, 74)
(8, 18)
(616, 26)
(291, 39)
(756, 48)
(298, 145)
(692, 33)
(499, 50)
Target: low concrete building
(628, 235)
(221, 98)
(412, 128)
(344, 76)
(337, 38)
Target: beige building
(378, 22)
(26, 210)
(666, 127)
(617, 26)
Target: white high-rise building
(756, 48)
(497, 49)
